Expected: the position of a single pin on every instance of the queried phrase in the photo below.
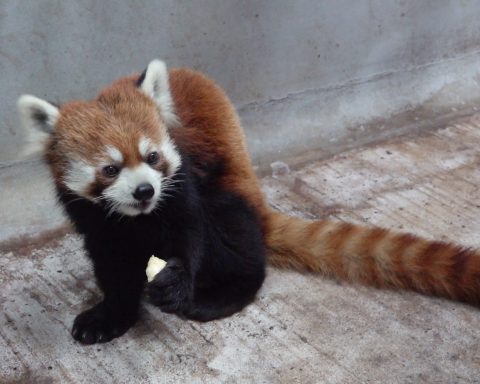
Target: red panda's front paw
(95, 325)
(170, 288)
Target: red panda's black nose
(143, 192)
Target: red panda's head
(114, 150)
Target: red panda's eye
(152, 158)
(111, 170)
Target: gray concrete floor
(302, 328)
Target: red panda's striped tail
(374, 256)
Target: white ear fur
(38, 118)
(157, 86)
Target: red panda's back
(211, 133)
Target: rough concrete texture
(302, 328)
(337, 65)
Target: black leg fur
(122, 284)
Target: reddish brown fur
(119, 117)
(410, 262)
(210, 132)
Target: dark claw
(100, 338)
(75, 332)
(85, 337)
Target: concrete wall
(304, 74)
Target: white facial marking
(120, 193)
(145, 146)
(170, 152)
(156, 85)
(114, 154)
(167, 149)
(79, 176)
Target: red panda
(157, 164)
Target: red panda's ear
(38, 118)
(155, 83)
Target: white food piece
(154, 266)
